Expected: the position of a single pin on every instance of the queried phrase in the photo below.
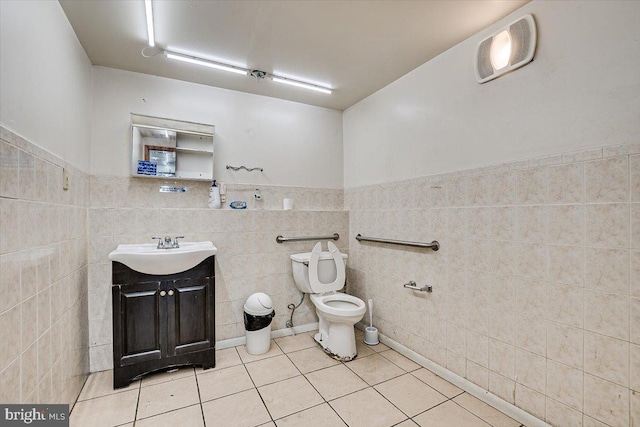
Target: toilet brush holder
(371, 335)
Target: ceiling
(354, 47)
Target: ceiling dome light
(501, 50)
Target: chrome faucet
(166, 243)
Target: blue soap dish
(238, 204)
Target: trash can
(258, 312)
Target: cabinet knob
(162, 293)
(171, 292)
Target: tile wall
(43, 275)
(131, 210)
(536, 290)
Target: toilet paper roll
(288, 204)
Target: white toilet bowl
(321, 274)
(338, 313)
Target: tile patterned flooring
(294, 384)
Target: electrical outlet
(65, 179)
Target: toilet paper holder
(412, 285)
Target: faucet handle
(175, 241)
(159, 241)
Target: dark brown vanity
(162, 321)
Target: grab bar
(433, 245)
(237, 168)
(281, 239)
(412, 285)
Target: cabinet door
(138, 323)
(190, 316)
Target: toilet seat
(343, 304)
(338, 283)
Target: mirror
(164, 148)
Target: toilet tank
(326, 271)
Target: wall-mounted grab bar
(433, 245)
(281, 239)
(237, 168)
(412, 285)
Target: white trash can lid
(258, 304)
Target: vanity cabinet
(160, 322)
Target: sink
(147, 258)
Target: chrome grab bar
(412, 285)
(433, 245)
(281, 239)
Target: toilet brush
(371, 333)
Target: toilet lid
(314, 281)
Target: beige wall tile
(502, 358)
(607, 180)
(634, 168)
(565, 304)
(606, 401)
(531, 370)
(9, 170)
(531, 186)
(634, 378)
(607, 358)
(9, 279)
(635, 408)
(478, 348)
(531, 297)
(27, 178)
(635, 225)
(566, 264)
(10, 225)
(607, 270)
(479, 375)
(565, 344)
(607, 314)
(532, 224)
(562, 415)
(565, 384)
(457, 191)
(531, 335)
(10, 324)
(635, 320)
(566, 224)
(503, 223)
(566, 184)
(502, 387)
(503, 188)
(532, 261)
(531, 401)
(608, 225)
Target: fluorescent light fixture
(243, 71)
(205, 63)
(300, 84)
(149, 11)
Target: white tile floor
(294, 384)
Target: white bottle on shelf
(214, 196)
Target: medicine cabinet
(165, 148)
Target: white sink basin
(147, 258)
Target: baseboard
(234, 342)
(491, 399)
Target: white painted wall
(581, 91)
(296, 144)
(45, 79)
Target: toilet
(322, 274)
